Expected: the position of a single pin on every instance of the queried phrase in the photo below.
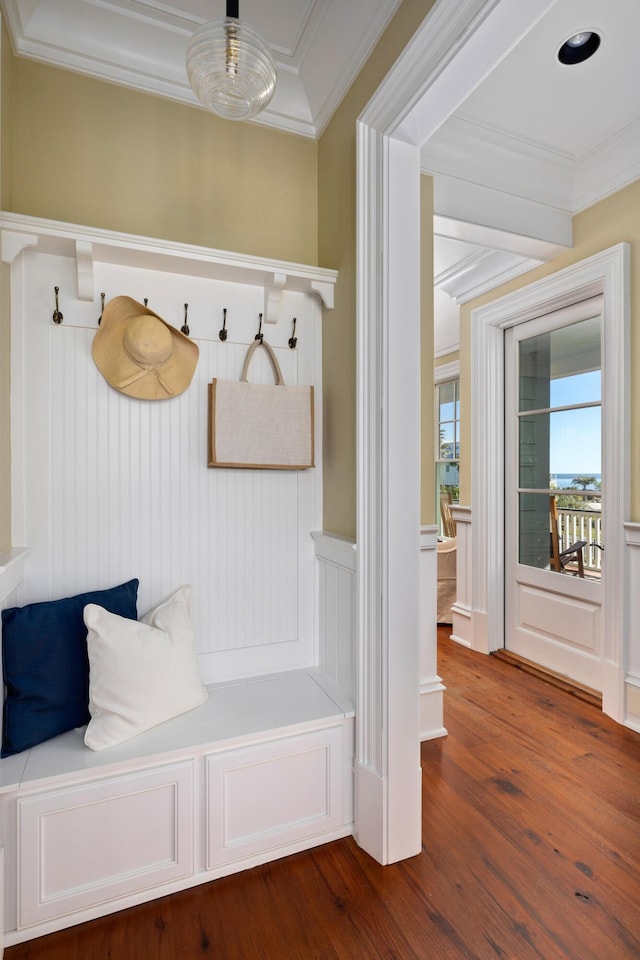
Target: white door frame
(457, 45)
(606, 273)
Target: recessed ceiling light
(579, 47)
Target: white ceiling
(534, 144)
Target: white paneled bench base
(261, 770)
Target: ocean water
(563, 480)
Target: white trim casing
(388, 776)
(462, 609)
(606, 273)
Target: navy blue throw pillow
(46, 665)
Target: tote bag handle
(274, 361)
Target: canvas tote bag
(260, 425)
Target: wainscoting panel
(337, 609)
(157, 847)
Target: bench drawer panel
(263, 797)
(81, 846)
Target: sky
(575, 434)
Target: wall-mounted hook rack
(185, 327)
(223, 333)
(102, 296)
(259, 335)
(57, 316)
(293, 340)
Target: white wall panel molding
(431, 686)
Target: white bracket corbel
(14, 243)
(324, 291)
(84, 261)
(272, 297)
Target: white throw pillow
(141, 672)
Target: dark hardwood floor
(531, 850)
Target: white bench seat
(262, 769)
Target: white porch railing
(582, 525)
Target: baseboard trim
(555, 679)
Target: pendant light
(230, 68)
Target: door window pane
(561, 367)
(567, 438)
(560, 449)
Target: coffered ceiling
(534, 144)
(319, 45)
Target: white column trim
(457, 44)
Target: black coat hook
(223, 333)
(293, 340)
(57, 316)
(102, 296)
(259, 335)
(184, 328)
(146, 301)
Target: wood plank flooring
(531, 851)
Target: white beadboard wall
(337, 568)
(113, 488)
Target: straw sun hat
(141, 355)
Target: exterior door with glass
(553, 483)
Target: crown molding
(613, 165)
(514, 169)
(486, 157)
(481, 271)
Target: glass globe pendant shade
(231, 69)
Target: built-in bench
(262, 769)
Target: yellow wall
(102, 155)
(6, 117)
(447, 358)
(337, 248)
(605, 224)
